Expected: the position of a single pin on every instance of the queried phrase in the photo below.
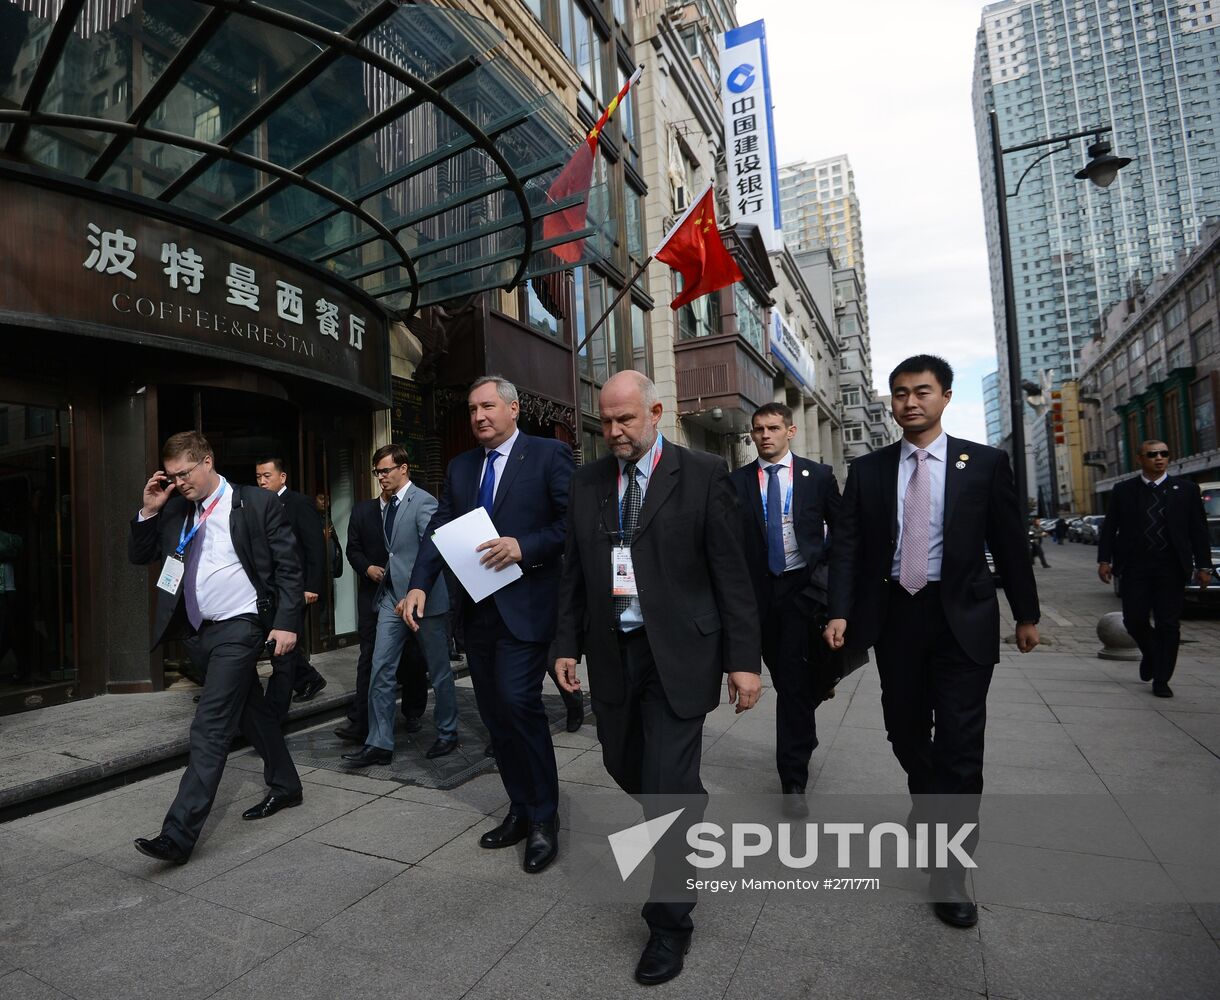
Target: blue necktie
(775, 523)
(487, 488)
(391, 510)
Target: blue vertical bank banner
(749, 131)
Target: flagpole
(617, 299)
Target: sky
(888, 83)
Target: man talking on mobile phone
(229, 582)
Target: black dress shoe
(489, 751)
(511, 831)
(442, 746)
(576, 716)
(662, 958)
(1162, 689)
(163, 849)
(795, 805)
(311, 689)
(272, 804)
(350, 734)
(1145, 670)
(957, 913)
(412, 723)
(367, 757)
(541, 845)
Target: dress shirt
(792, 553)
(282, 490)
(1153, 482)
(504, 449)
(633, 617)
(222, 588)
(935, 467)
(401, 494)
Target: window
(207, 124)
(1203, 406)
(851, 396)
(639, 339)
(535, 7)
(536, 313)
(1175, 315)
(1173, 422)
(1178, 357)
(749, 318)
(1202, 343)
(635, 222)
(853, 433)
(1198, 295)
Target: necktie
(191, 575)
(916, 515)
(775, 523)
(1154, 526)
(391, 511)
(630, 512)
(487, 488)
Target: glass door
(37, 641)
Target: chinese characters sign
(749, 136)
(110, 271)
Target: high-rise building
(1050, 68)
(820, 209)
(992, 404)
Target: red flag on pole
(575, 179)
(694, 249)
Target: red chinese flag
(694, 249)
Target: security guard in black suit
(293, 672)
(1154, 534)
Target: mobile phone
(269, 646)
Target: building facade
(1050, 68)
(1153, 371)
(820, 209)
(991, 409)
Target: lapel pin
(805, 472)
(963, 457)
(961, 465)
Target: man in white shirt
(230, 582)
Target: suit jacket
(415, 512)
(265, 546)
(691, 573)
(306, 524)
(815, 504)
(531, 506)
(365, 548)
(1185, 522)
(980, 513)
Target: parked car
(1211, 498)
(1090, 528)
(1209, 598)
(1074, 527)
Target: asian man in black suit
(292, 672)
(1154, 535)
(787, 504)
(909, 577)
(230, 582)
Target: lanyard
(622, 493)
(184, 539)
(763, 489)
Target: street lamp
(1101, 169)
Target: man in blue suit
(523, 482)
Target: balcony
(721, 382)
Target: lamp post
(1101, 169)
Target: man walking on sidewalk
(230, 582)
(908, 576)
(1155, 531)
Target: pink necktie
(916, 518)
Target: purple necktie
(191, 574)
(916, 523)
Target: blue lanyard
(787, 499)
(656, 458)
(184, 539)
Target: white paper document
(457, 541)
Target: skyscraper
(1050, 67)
(991, 408)
(820, 209)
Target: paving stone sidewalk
(377, 889)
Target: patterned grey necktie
(630, 513)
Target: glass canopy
(387, 142)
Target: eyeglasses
(181, 477)
(1157, 454)
(386, 471)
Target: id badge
(171, 574)
(622, 572)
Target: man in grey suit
(405, 513)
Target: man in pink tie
(909, 577)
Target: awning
(387, 142)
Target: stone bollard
(1116, 641)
